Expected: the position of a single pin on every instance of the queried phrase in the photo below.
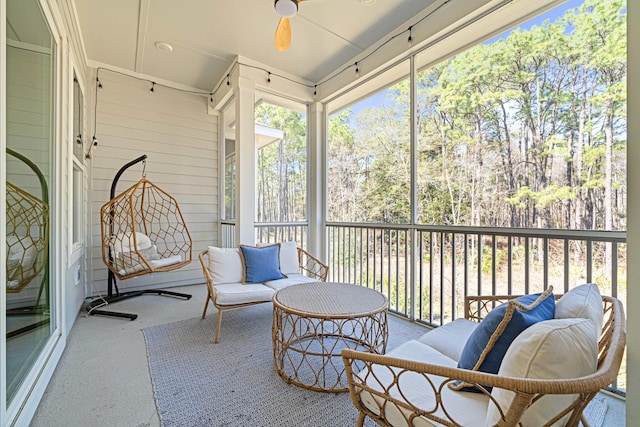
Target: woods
(282, 166)
(526, 131)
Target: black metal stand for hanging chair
(113, 293)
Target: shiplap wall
(181, 143)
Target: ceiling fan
(286, 9)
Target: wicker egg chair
(27, 245)
(27, 237)
(143, 231)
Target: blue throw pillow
(261, 264)
(487, 345)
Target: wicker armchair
(227, 296)
(391, 397)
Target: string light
(94, 140)
(395, 36)
(94, 144)
(327, 79)
(154, 84)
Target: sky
(551, 15)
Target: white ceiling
(207, 35)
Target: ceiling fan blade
(283, 35)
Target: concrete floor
(103, 377)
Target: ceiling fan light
(286, 8)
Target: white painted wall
(180, 140)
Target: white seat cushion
(417, 390)
(239, 293)
(583, 302)
(225, 265)
(450, 338)
(551, 349)
(292, 279)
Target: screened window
(281, 144)
(369, 154)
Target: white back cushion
(583, 302)
(123, 242)
(551, 349)
(225, 265)
(289, 258)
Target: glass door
(30, 134)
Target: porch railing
(272, 232)
(228, 233)
(267, 232)
(452, 262)
(447, 263)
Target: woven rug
(596, 411)
(234, 382)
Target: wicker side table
(314, 322)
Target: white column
(316, 204)
(246, 162)
(633, 206)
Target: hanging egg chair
(143, 232)
(27, 237)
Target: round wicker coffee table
(313, 322)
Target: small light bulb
(315, 91)
(410, 38)
(357, 70)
